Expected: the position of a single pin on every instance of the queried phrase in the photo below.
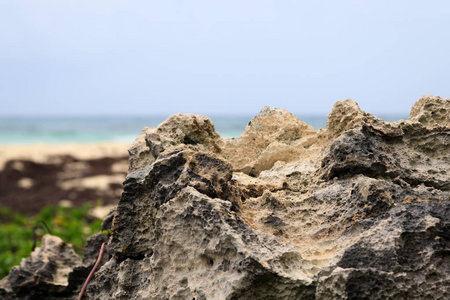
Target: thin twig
(45, 225)
(102, 249)
(34, 232)
(77, 247)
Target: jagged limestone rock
(139, 152)
(44, 274)
(189, 131)
(431, 111)
(214, 255)
(54, 270)
(358, 210)
(269, 137)
(405, 255)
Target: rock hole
(188, 141)
(210, 261)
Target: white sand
(48, 152)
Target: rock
(188, 131)
(404, 256)
(358, 210)
(53, 271)
(431, 111)
(139, 153)
(157, 184)
(44, 274)
(214, 255)
(269, 137)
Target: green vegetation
(72, 224)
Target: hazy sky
(212, 57)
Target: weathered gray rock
(53, 271)
(403, 256)
(45, 274)
(195, 132)
(358, 210)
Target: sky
(220, 57)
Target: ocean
(56, 130)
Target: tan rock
(184, 131)
(195, 132)
(358, 210)
(139, 152)
(256, 148)
(431, 111)
(347, 115)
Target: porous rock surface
(47, 269)
(359, 210)
(53, 271)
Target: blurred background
(80, 79)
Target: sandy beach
(44, 152)
(35, 175)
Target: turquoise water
(27, 130)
